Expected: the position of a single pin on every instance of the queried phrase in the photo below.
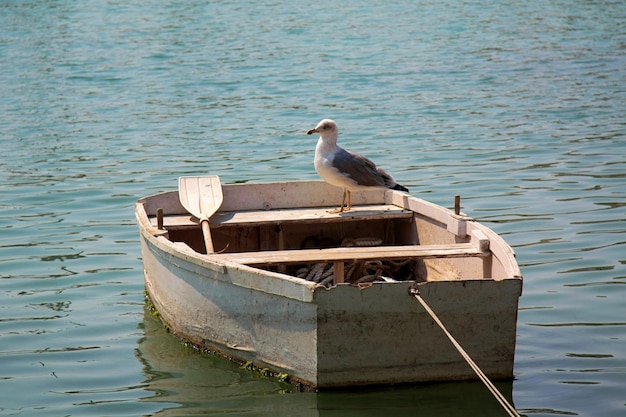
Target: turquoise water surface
(517, 106)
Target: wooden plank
(278, 195)
(338, 272)
(302, 215)
(456, 224)
(458, 250)
(480, 240)
(309, 215)
(177, 220)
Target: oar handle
(206, 232)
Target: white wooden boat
(262, 298)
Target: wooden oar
(201, 196)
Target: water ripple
(517, 106)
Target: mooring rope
(492, 388)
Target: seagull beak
(310, 132)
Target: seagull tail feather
(399, 188)
(390, 182)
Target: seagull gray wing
(358, 168)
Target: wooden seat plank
(353, 253)
(279, 216)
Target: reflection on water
(187, 382)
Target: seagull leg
(343, 203)
(349, 200)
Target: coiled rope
(492, 388)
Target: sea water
(519, 107)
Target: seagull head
(327, 129)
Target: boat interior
(369, 243)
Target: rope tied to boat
(510, 409)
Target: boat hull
(331, 337)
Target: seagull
(346, 169)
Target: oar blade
(201, 196)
